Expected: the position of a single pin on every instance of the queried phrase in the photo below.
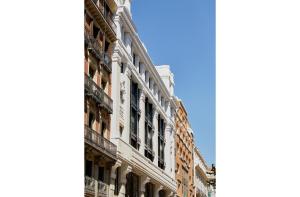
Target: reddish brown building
(184, 153)
(100, 153)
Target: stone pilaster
(142, 121)
(126, 130)
(113, 176)
(155, 135)
(125, 169)
(115, 92)
(144, 181)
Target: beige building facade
(184, 153)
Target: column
(168, 152)
(144, 181)
(142, 121)
(113, 175)
(126, 131)
(155, 135)
(125, 169)
(115, 95)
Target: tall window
(133, 56)
(101, 173)
(88, 168)
(149, 190)
(161, 142)
(140, 67)
(134, 115)
(117, 184)
(185, 182)
(91, 120)
(132, 185)
(122, 67)
(149, 130)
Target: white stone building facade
(142, 122)
(204, 177)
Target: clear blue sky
(182, 34)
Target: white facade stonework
(134, 124)
(204, 177)
(131, 63)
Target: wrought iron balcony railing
(97, 93)
(95, 48)
(94, 186)
(93, 45)
(100, 142)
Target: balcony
(104, 17)
(100, 143)
(95, 48)
(97, 93)
(93, 186)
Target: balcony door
(101, 173)
(88, 168)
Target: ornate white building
(204, 177)
(142, 122)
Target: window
(103, 84)
(95, 31)
(185, 182)
(91, 72)
(161, 142)
(140, 67)
(132, 185)
(117, 183)
(133, 55)
(103, 128)
(149, 190)
(149, 83)
(88, 168)
(134, 115)
(122, 67)
(88, 19)
(101, 173)
(106, 46)
(121, 131)
(148, 129)
(91, 120)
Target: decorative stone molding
(157, 189)
(144, 181)
(114, 168)
(125, 169)
(143, 96)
